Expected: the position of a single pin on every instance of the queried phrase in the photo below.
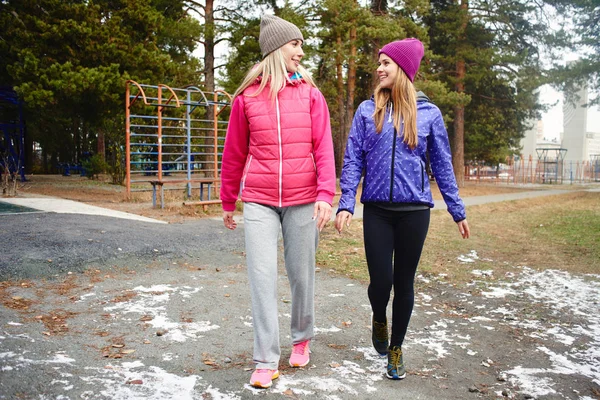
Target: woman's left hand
(228, 220)
(463, 228)
(322, 214)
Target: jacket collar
(420, 97)
(293, 79)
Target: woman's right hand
(463, 228)
(343, 218)
(228, 220)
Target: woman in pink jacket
(279, 156)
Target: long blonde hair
(274, 73)
(402, 99)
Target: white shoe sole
(396, 379)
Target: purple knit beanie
(407, 53)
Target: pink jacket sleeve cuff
(228, 206)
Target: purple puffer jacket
(379, 156)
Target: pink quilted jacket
(278, 153)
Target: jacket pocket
(245, 173)
(312, 157)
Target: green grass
(577, 232)
(555, 232)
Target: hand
(343, 218)
(228, 220)
(322, 214)
(463, 228)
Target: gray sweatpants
(262, 225)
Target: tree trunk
(374, 75)
(73, 156)
(458, 140)
(209, 47)
(53, 161)
(340, 143)
(351, 84)
(45, 161)
(29, 160)
(209, 83)
(378, 8)
(458, 150)
(345, 108)
(101, 146)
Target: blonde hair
(274, 73)
(403, 100)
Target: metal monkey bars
(173, 137)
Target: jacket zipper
(280, 176)
(422, 177)
(393, 161)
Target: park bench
(205, 183)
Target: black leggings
(397, 235)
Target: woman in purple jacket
(390, 138)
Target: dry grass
(560, 232)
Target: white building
(579, 138)
(533, 136)
(581, 142)
(575, 126)
(593, 144)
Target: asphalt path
(115, 307)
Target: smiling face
(292, 54)
(387, 71)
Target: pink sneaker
(300, 354)
(263, 378)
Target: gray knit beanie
(275, 32)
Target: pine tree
(579, 33)
(488, 54)
(69, 60)
(350, 37)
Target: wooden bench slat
(201, 181)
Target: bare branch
(193, 9)
(196, 4)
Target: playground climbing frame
(174, 137)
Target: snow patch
(152, 301)
(468, 258)
(157, 384)
(561, 293)
(333, 329)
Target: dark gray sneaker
(379, 336)
(395, 367)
